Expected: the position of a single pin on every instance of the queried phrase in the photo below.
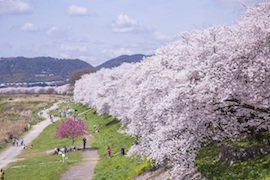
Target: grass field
(39, 162)
(19, 110)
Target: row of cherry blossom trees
(209, 85)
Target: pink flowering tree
(71, 129)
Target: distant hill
(121, 59)
(39, 69)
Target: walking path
(84, 170)
(9, 155)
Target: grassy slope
(208, 164)
(38, 164)
(117, 167)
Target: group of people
(62, 150)
(96, 129)
(16, 142)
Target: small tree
(71, 129)
(78, 74)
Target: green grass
(210, 167)
(117, 167)
(38, 164)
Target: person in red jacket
(109, 151)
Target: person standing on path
(109, 151)
(22, 142)
(17, 142)
(84, 142)
(13, 141)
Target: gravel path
(9, 155)
(85, 170)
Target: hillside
(22, 69)
(121, 59)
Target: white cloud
(124, 24)
(29, 27)
(67, 47)
(76, 10)
(117, 52)
(55, 32)
(52, 30)
(14, 7)
(162, 37)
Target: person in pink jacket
(109, 151)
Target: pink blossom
(71, 129)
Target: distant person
(13, 141)
(109, 151)
(25, 147)
(22, 142)
(95, 126)
(17, 142)
(84, 142)
(122, 151)
(2, 174)
(55, 151)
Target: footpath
(85, 170)
(9, 155)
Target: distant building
(3, 85)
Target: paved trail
(85, 170)
(9, 155)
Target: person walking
(84, 142)
(13, 141)
(22, 142)
(2, 174)
(109, 151)
(122, 151)
(17, 142)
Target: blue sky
(96, 31)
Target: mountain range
(121, 59)
(47, 69)
(44, 69)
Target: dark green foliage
(21, 69)
(210, 167)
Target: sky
(98, 30)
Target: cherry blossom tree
(71, 129)
(209, 85)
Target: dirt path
(85, 170)
(9, 155)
